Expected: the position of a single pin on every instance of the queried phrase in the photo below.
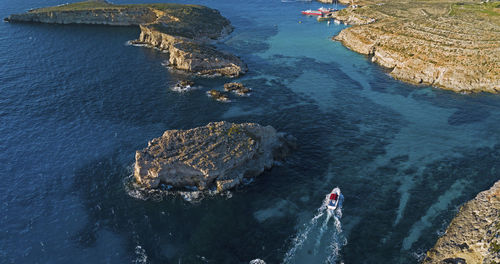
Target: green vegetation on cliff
(176, 19)
(100, 5)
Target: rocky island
(184, 31)
(473, 236)
(447, 44)
(218, 156)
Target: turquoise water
(76, 102)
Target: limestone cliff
(450, 45)
(190, 55)
(473, 236)
(184, 31)
(217, 156)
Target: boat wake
(319, 240)
(141, 256)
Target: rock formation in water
(217, 156)
(237, 88)
(473, 236)
(450, 45)
(219, 96)
(184, 31)
(190, 52)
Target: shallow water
(76, 102)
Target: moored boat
(320, 12)
(312, 12)
(326, 10)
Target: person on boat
(333, 198)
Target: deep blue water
(76, 102)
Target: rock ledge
(473, 236)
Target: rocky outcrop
(218, 156)
(237, 88)
(192, 55)
(219, 96)
(183, 31)
(473, 236)
(183, 86)
(444, 44)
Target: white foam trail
(322, 230)
(299, 240)
(336, 240)
(141, 257)
(335, 243)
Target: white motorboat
(334, 199)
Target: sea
(77, 101)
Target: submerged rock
(217, 157)
(473, 236)
(217, 95)
(236, 88)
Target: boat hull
(332, 205)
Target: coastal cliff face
(444, 44)
(193, 56)
(217, 156)
(184, 31)
(473, 236)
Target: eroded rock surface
(193, 55)
(217, 156)
(473, 236)
(218, 95)
(237, 88)
(450, 45)
(183, 31)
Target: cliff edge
(183, 31)
(447, 44)
(473, 236)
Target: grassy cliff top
(176, 19)
(100, 5)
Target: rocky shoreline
(214, 158)
(192, 55)
(183, 31)
(449, 45)
(473, 236)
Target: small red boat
(320, 12)
(312, 12)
